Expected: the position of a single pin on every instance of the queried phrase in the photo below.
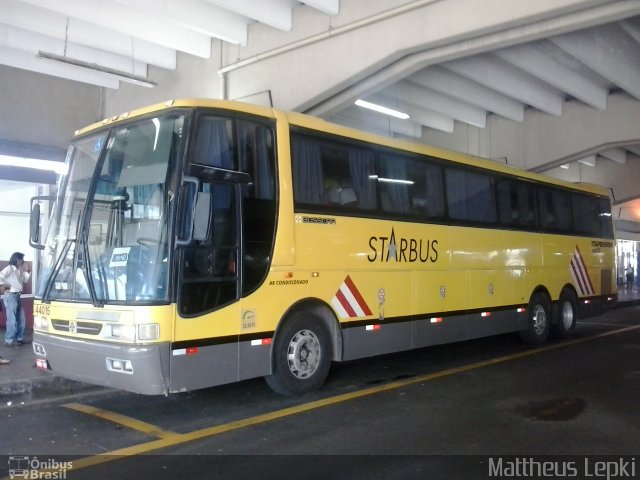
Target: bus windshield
(109, 231)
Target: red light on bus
(521, 310)
(436, 320)
(192, 351)
(485, 314)
(372, 327)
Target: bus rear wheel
(566, 315)
(538, 320)
(301, 356)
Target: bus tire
(538, 320)
(566, 315)
(301, 356)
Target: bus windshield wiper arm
(87, 273)
(56, 270)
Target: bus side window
(516, 205)
(393, 183)
(213, 146)
(427, 199)
(308, 176)
(470, 196)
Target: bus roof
(318, 124)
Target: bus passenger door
(205, 350)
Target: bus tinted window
(604, 218)
(426, 192)
(555, 210)
(470, 196)
(585, 214)
(214, 144)
(333, 175)
(348, 177)
(308, 176)
(394, 182)
(410, 186)
(516, 203)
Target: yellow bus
(200, 242)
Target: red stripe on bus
(577, 276)
(591, 289)
(356, 294)
(345, 304)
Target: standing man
(13, 277)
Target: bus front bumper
(136, 368)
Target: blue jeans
(15, 318)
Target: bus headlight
(149, 331)
(40, 323)
(123, 332)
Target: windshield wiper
(87, 273)
(56, 270)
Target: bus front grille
(88, 328)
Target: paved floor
(21, 382)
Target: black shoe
(23, 342)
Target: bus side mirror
(194, 213)
(202, 216)
(34, 222)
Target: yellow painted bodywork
(463, 268)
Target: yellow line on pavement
(177, 439)
(123, 420)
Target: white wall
(14, 215)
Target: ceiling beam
(618, 155)
(495, 73)
(199, 16)
(275, 13)
(423, 116)
(132, 22)
(56, 25)
(539, 64)
(608, 51)
(330, 7)
(461, 88)
(379, 123)
(411, 93)
(635, 149)
(632, 27)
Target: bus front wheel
(538, 320)
(301, 356)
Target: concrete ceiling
(116, 40)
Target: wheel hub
(303, 355)
(539, 319)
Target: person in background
(13, 277)
(629, 275)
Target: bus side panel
(203, 366)
(387, 297)
(376, 339)
(495, 322)
(437, 330)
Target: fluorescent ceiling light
(565, 166)
(119, 74)
(379, 108)
(51, 165)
